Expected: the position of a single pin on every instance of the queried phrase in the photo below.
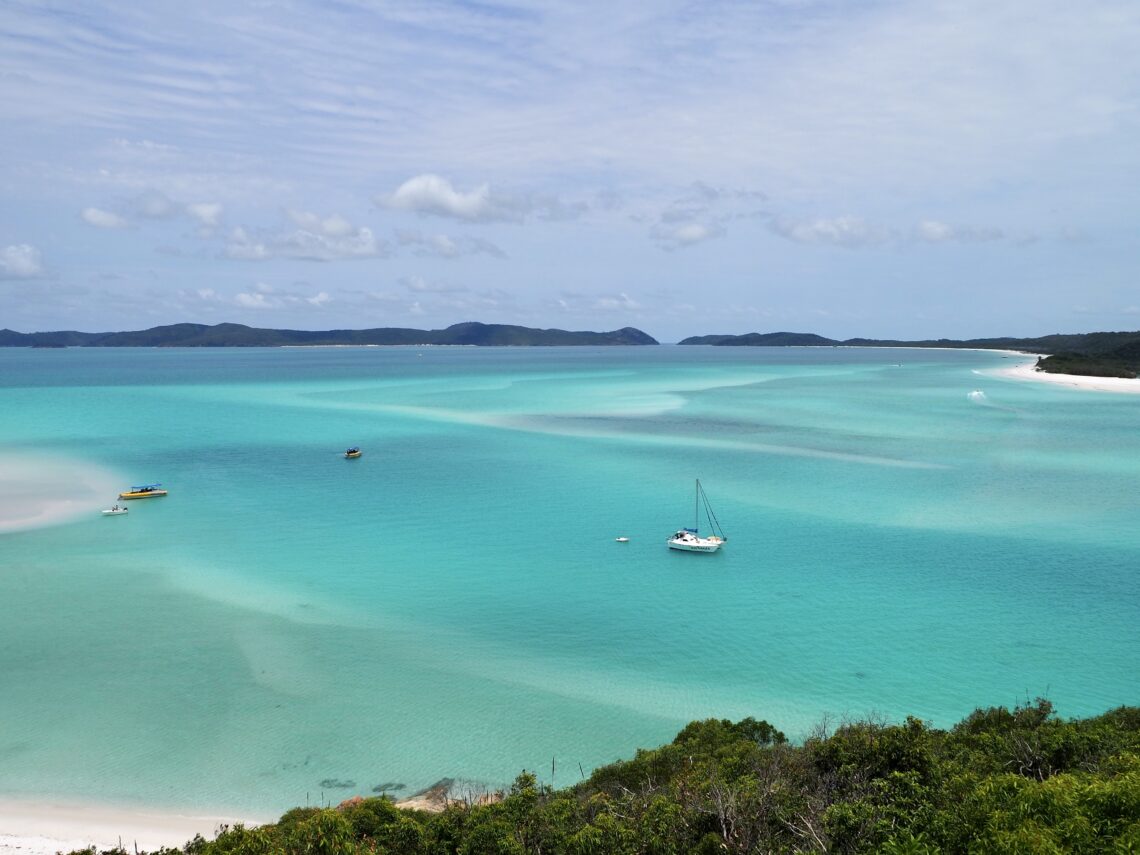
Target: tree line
(1018, 780)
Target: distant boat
(143, 491)
(622, 539)
(352, 452)
(689, 539)
(115, 511)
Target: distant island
(1099, 354)
(239, 335)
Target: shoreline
(34, 827)
(30, 827)
(1028, 371)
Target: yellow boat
(143, 491)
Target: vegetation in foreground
(1002, 781)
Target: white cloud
(318, 299)
(256, 300)
(334, 226)
(678, 235)
(934, 231)
(431, 194)
(319, 247)
(208, 214)
(102, 219)
(20, 261)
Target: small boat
(115, 511)
(352, 453)
(143, 491)
(622, 539)
(689, 539)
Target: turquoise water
(290, 627)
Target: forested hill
(1111, 354)
(1008, 781)
(238, 335)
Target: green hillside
(1000, 781)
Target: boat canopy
(142, 487)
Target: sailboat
(689, 539)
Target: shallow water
(289, 627)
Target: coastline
(1027, 371)
(45, 828)
(30, 827)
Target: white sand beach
(44, 828)
(1027, 371)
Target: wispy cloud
(933, 231)
(854, 232)
(444, 246)
(610, 146)
(703, 212)
(261, 297)
(317, 238)
(843, 231)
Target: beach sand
(1027, 371)
(43, 828)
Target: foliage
(1004, 780)
(1090, 366)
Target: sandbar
(39, 490)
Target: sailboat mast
(697, 507)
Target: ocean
(908, 534)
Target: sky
(900, 169)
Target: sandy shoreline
(44, 828)
(1027, 371)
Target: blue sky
(891, 169)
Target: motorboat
(352, 453)
(115, 511)
(143, 491)
(689, 539)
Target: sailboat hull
(688, 542)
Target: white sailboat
(689, 539)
